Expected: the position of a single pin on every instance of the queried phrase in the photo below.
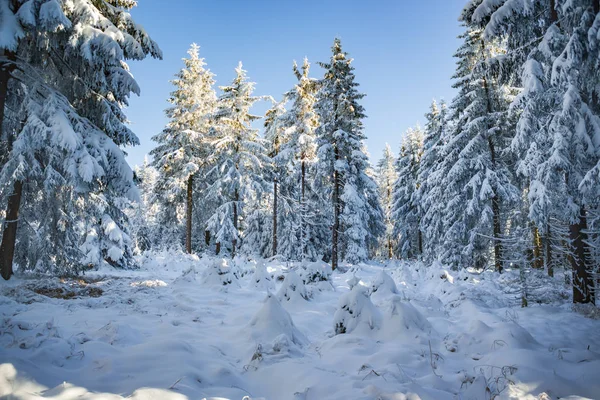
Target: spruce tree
(386, 179)
(240, 161)
(342, 169)
(183, 150)
(64, 74)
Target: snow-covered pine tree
(298, 155)
(143, 214)
(479, 183)
(430, 194)
(343, 162)
(241, 160)
(63, 71)
(182, 151)
(406, 211)
(275, 134)
(386, 179)
(558, 129)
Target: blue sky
(402, 53)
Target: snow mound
(317, 271)
(356, 312)
(261, 279)
(293, 288)
(149, 283)
(271, 322)
(220, 272)
(384, 283)
(401, 318)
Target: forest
(268, 256)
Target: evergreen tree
(430, 194)
(241, 161)
(386, 179)
(343, 162)
(182, 149)
(64, 74)
(406, 211)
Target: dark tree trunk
(583, 282)
(538, 260)
(218, 248)
(553, 12)
(596, 6)
(207, 238)
(303, 235)
(495, 201)
(548, 257)
(275, 211)
(9, 235)
(236, 198)
(189, 209)
(336, 215)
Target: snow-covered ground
(173, 330)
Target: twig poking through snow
(172, 387)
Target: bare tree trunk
(336, 215)
(189, 209)
(538, 261)
(236, 198)
(218, 248)
(303, 209)
(583, 283)
(495, 202)
(9, 235)
(275, 195)
(207, 238)
(553, 12)
(548, 258)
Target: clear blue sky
(402, 52)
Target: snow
(174, 330)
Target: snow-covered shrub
(220, 271)
(355, 311)
(261, 279)
(318, 271)
(272, 321)
(352, 282)
(293, 288)
(384, 283)
(402, 317)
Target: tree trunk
(9, 235)
(275, 194)
(495, 201)
(583, 283)
(189, 209)
(217, 248)
(548, 257)
(538, 261)
(303, 209)
(336, 215)
(553, 12)
(236, 198)
(207, 238)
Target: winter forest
(271, 256)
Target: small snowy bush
(272, 321)
(355, 310)
(318, 271)
(383, 283)
(261, 279)
(220, 272)
(293, 288)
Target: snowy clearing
(173, 330)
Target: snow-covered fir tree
(298, 156)
(406, 211)
(182, 151)
(241, 161)
(430, 194)
(479, 184)
(64, 74)
(386, 178)
(556, 135)
(342, 167)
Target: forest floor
(173, 331)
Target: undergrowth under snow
(188, 328)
